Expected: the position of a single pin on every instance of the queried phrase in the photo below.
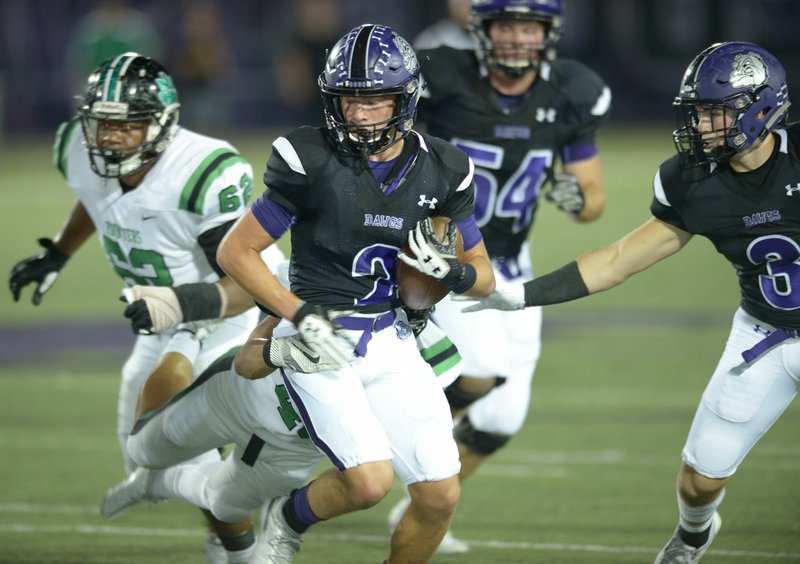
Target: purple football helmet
(549, 12)
(740, 80)
(370, 60)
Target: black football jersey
(754, 224)
(513, 150)
(347, 231)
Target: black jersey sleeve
(589, 97)
(293, 166)
(667, 194)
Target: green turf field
(589, 480)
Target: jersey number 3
(781, 256)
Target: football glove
(566, 193)
(291, 352)
(152, 309)
(42, 269)
(436, 258)
(325, 338)
(508, 297)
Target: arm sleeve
(562, 285)
(209, 241)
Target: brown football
(418, 290)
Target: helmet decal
(409, 57)
(744, 86)
(166, 89)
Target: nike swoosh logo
(146, 217)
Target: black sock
(239, 542)
(297, 512)
(694, 539)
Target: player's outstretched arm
(593, 272)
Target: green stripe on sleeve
(210, 169)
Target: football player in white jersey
(239, 401)
(160, 198)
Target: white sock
(187, 481)
(241, 556)
(698, 519)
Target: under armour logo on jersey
(546, 115)
(790, 189)
(430, 203)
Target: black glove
(42, 269)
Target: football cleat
(126, 494)
(278, 542)
(678, 552)
(448, 545)
(215, 552)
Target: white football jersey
(150, 233)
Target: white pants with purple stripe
(741, 401)
(387, 405)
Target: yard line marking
(43, 508)
(344, 537)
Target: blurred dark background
(252, 64)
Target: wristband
(562, 285)
(466, 279)
(265, 352)
(199, 301)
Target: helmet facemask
(370, 61)
(122, 92)
(522, 60)
(739, 80)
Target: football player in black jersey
(734, 147)
(516, 110)
(352, 195)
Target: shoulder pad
(451, 157)
(581, 85)
(445, 68)
(61, 144)
(308, 147)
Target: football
(418, 290)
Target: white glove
(566, 193)
(158, 309)
(321, 335)
(291, 352)
(433, 258)
(508, 297)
